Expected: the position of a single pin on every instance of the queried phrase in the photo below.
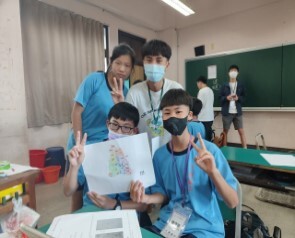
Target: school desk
(251, 168)
(92, 208)
(29, 197)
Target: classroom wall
(261, 27)
(12, 105)
(170, 37)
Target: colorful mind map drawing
(118, 163)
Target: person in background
(147, 95)
(194, 126)
(96, 95)
(191, 176)
(206, 116)
(122, 122)
(232, 95)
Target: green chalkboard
(288, 76)
(264, 72)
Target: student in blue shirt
(98, 93)
(195, 126)
(191, 176)
(122, 121)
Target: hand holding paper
(102, 201)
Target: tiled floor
(51, 202)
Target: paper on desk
(17, 169)
(105, 224)
(279, 159)
(110, 166)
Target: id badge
(177, 221)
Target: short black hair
(156, 47)
(123, 49)
(124, 111)
(202, 79)
(196, 106)
(175, 97)
(234, 66)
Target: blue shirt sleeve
(88, 87)
(196, 127)
(223, 167)
(159, 186)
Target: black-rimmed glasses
(116, 126)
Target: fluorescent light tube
(179, 6)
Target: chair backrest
(234, 214)
(259, 139)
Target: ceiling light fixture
(179, 6)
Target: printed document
(104, 224)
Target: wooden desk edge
(272, 168)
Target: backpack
(252, 227)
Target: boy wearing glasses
(122, 121)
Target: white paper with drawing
(110, 166)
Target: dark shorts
(232, 118)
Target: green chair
(234, 214)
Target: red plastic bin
(37, 159)
(51, 174)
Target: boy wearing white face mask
(232, 95)
(147, 95)
(122, 121)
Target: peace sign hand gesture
(76, 154)
(204, 159)
(117, 90)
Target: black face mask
(175, 125)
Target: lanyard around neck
(156, 118)
(182, 184)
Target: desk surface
(252, 158)
(90, 208)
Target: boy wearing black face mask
(191, 175)
(122, 121)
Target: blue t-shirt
(206, 219)
(94, 94)
(195, 127)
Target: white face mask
(233, 74)
(113, 135)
